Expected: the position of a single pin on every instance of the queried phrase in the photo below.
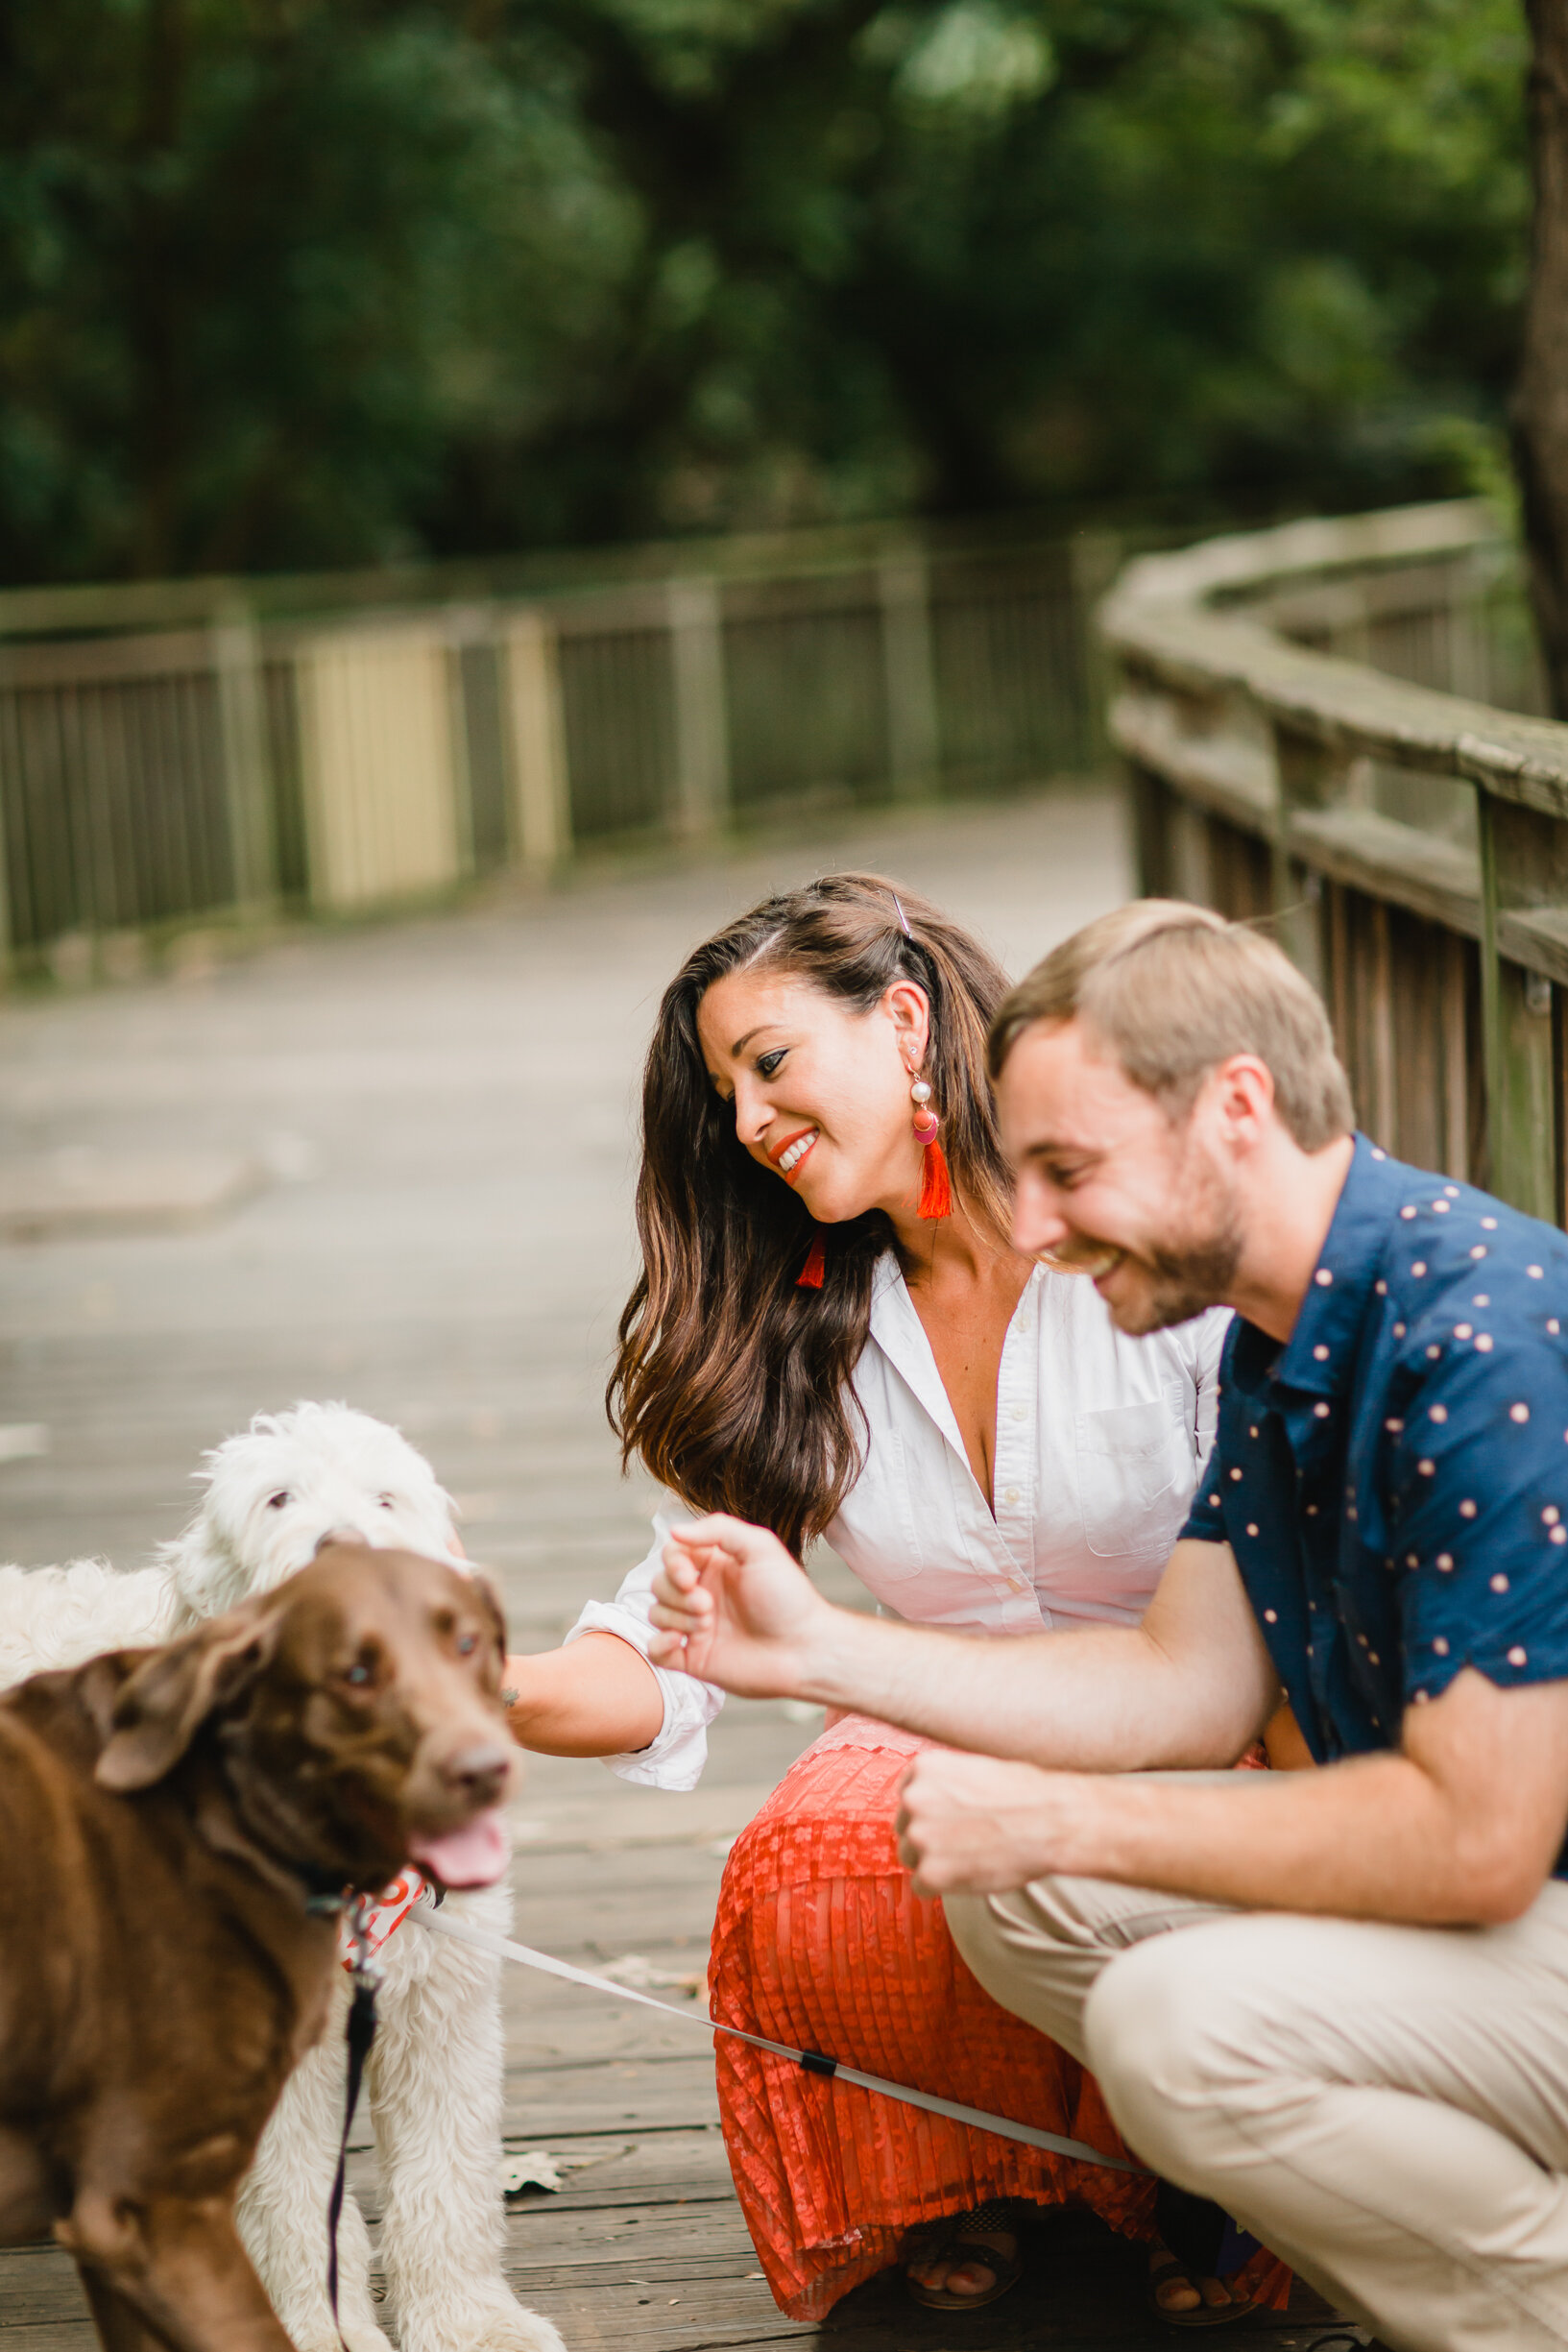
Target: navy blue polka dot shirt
(1394, 1480)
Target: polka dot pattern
(1404, 1507)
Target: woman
(830, 1335)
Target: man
(1357, 2042)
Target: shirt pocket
(1131, 1465)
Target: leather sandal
(1163, 2268)
(971, 2236)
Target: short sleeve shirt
(1393, 1479)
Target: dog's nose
(480, 1771)
(341, 1535)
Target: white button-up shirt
(1100, 1443)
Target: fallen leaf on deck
(536, 2170)
(537, 2167)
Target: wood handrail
(1165, 616)
(1230, 726)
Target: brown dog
(167, 1815)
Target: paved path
(446, 1108)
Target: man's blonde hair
(1173, 990)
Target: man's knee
(1170, 2033)
(1035, 1950)
(977, 1932)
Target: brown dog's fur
(164, 1815)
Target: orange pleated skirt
(820, 1943)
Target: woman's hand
(735, 1609)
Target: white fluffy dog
(436, 2070)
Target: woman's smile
(794, 1149)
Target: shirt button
(1018, 1413)
(1010, 1495)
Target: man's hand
(969, 1824)
(735, 1609)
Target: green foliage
(298, 281)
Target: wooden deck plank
(598, 2098)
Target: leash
(813, 2061)
(365, 1976)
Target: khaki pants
(1385, 2107)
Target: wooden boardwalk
(444, 1111)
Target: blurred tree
(298, 281)
(1541, 401)
(263, 263)
(958, 253)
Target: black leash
(365, 1976)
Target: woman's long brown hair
(732, 1382)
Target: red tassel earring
(809, 1278)
(936, 1186)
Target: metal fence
(1330, 725)
(222, 751)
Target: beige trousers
(1385, 2107)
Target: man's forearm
(1192, 1684)
(1371, 1838)
(1459, 1827)
(1100, 1699)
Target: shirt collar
(1319, 1356)
(897, 1330)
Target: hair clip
(903, 920)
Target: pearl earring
(935, 1184)
(925, 1121)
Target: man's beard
(1183, 1278)
(1187, 1281)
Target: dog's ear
(175, 1690)
(490, 1604)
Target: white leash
(502, 1947)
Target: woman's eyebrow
(741, 1043)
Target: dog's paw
(495, 2324)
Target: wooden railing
(216, 751)
(1330, 725)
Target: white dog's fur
(435, 2073)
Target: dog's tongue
(474, 1856)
